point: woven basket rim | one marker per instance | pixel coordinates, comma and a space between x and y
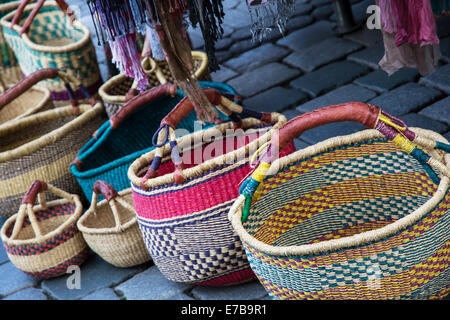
102, 91
277, 120
86, 38
46, 97
87, 112
112, 230
73, 218
362, 238
9, 5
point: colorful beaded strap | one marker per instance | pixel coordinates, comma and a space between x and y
370, 116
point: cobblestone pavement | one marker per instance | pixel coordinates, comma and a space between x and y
310, 67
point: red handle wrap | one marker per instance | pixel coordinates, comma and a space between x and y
185, 106
352, 111
27, 83
137, 102
36, 187
105, 189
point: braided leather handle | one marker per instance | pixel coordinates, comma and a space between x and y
352, 111
137, 102
36, 187
105, 189
27, 83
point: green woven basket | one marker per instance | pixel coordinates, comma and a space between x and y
51, 41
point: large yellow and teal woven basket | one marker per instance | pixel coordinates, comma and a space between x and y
52, 41
362, 216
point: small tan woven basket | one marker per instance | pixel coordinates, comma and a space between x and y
43, 240
33, 100
114, 91
110, 227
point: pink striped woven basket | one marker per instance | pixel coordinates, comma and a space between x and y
182, 204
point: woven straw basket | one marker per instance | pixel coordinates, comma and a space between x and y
182, 212
362, 216
43, 240
117, 90
33, 100
110, 227
41, 147
129, 134
46, 38
10, 72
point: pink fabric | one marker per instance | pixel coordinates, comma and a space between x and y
415, 22
387, 16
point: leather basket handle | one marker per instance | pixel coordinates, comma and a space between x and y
138, 101
105, 189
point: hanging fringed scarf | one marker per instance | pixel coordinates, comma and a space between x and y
267, 15
168, 22
154, 46
209, 15
116, 23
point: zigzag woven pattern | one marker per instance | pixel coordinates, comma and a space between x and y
340, 193
63, 267
36, 249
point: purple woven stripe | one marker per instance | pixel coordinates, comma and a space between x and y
386, 130
64, 95
29, 250
62, 268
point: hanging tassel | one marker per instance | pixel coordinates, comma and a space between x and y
127, 59
209, 15
155, 46
175, 44
267, 15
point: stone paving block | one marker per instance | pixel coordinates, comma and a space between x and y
223, 43
3, 256
319, 54
230, 4
181, 296
150, 285
197, 41
275, 99
242, 46
262, 78
421, 121
331, 130
443, 27
405, 99
223, 74
369, 57
13, 279
302, 8
323, 12
447, 136
439, 79
329, 77
241, 33
248, 291
318, 3
380, 81
236, 19
291, 113
102, 294
298, 22
445, 49
439, 111
300, 144
359, 11
27, 294
365, 36
305, 37
259, 56
343, 94
95, 274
